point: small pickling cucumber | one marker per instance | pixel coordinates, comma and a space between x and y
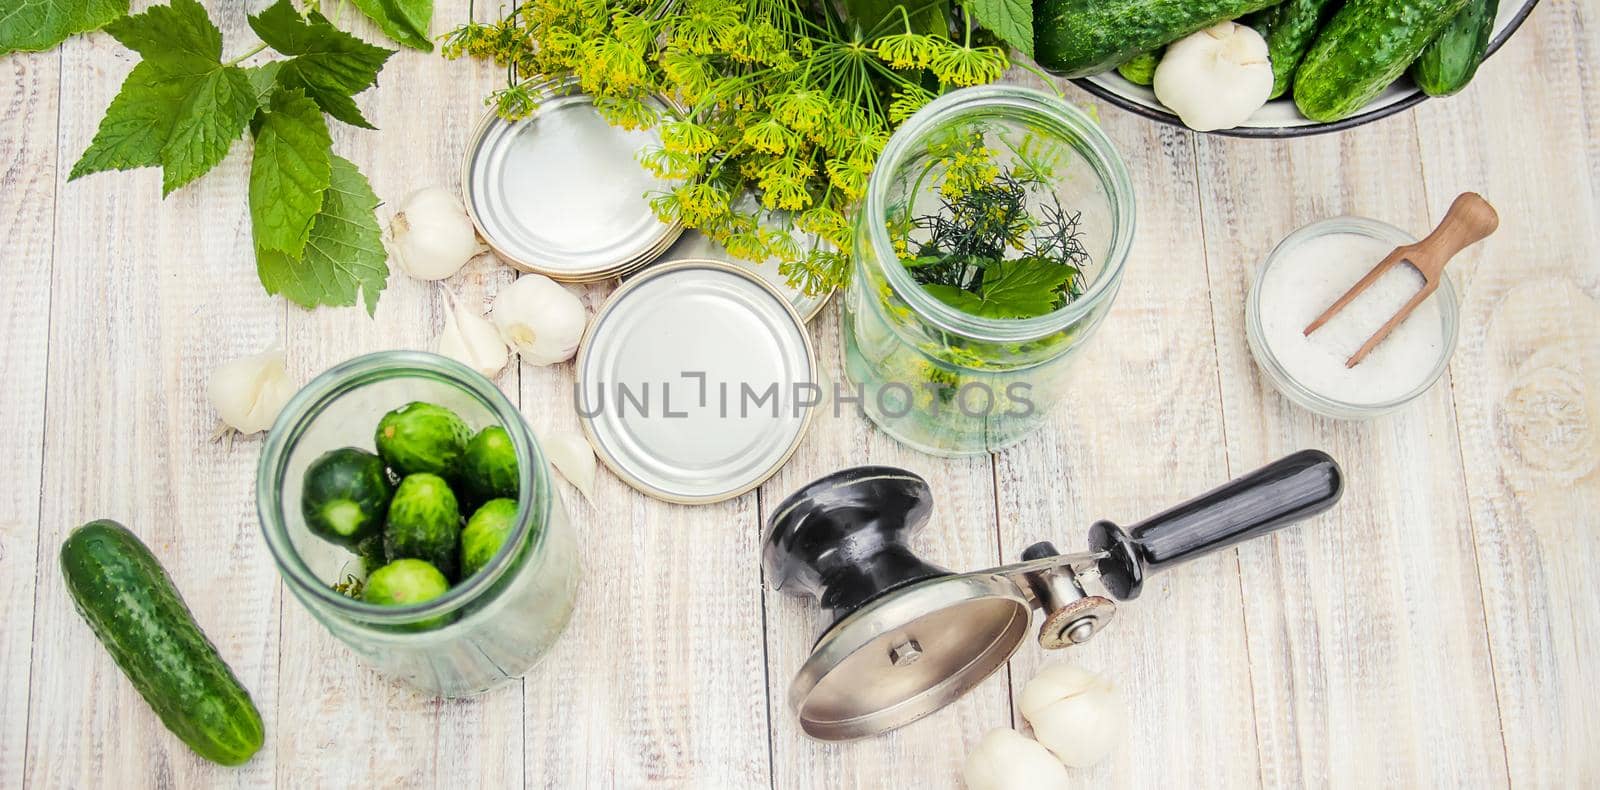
424, 523
1363, 48
407, 583
485, 533
345, 496
129, 602
489, 466
1289, 28
422, 437
370, 550
1450, 60
1142, 69
1076, 38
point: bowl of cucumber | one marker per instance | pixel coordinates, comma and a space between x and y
1335, 64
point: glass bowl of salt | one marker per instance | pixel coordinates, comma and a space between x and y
1305, 274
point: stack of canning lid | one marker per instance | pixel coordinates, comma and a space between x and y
561, 193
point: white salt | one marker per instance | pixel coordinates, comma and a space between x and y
1308, 278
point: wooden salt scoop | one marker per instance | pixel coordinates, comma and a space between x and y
1470, 219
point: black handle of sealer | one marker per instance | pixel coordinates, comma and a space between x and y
1285, 491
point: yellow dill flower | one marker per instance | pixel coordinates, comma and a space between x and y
850, 176
906, 50
801, 109
768, 136
964, 66
906, 102
687, 137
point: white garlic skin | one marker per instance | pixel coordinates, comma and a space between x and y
473, 341
539, 319
573, 459
1215, 78
249, 392
431, 235
1075, 713
1005, 759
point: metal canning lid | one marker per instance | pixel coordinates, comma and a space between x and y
693, 379
694, 244
560, 193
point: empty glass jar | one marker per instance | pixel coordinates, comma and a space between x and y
941, 379
499, 621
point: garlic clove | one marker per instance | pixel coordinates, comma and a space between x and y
539, 319
1215, 78
431, 235
472, 340
1075, 713
249, 392
573, 458
1005, 759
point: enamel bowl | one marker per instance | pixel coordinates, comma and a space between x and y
1280, 118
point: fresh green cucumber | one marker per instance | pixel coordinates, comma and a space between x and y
424, 523
1142, 69
422, 437
1366, 45
407, 583
489, 466
1289, 28
125, 596
1450, 60
345, 496
485, 533
1076, 38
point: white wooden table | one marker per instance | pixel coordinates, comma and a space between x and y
1440, 628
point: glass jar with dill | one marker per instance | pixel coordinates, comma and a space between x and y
988, 248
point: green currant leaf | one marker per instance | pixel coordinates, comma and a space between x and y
327, 63
179, 108
290, 170
263, 79
344, 257
1011, 20
37, 25
405, 21
1024, 287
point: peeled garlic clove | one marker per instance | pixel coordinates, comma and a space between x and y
1075, 713
573, 458
470, 339
1005, 759
431, 235
249, 392
540, 319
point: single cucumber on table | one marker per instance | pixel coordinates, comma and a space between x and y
1289, 28
1450, 60
1076, 38
1366, 45
424, 523
129, 602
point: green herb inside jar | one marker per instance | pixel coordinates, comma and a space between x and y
999, 245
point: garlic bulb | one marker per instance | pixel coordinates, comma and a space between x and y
1216, 78
470, 339
1005, 759
431, 235
1075, 713
249, 392
540, 319
573, 458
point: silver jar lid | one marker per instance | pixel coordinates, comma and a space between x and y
561, 192
692, 381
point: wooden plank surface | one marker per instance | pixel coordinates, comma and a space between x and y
1437, 629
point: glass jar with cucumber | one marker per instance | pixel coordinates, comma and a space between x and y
411, 510
988, 248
